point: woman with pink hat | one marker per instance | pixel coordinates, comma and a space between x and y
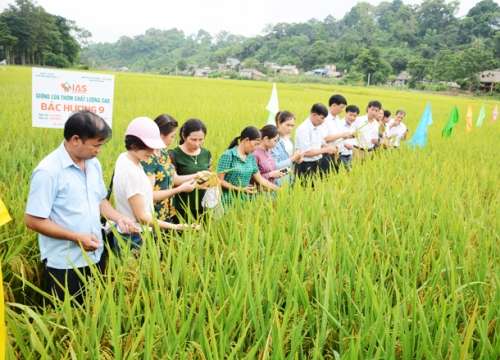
133, 190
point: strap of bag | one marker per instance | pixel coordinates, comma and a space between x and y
110, 188
108, 196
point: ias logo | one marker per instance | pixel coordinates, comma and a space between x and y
66, 86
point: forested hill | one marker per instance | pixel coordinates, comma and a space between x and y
29, 35
427, 40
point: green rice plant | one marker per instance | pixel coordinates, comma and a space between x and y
396, 259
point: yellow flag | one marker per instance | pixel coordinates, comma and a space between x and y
4, 218
2, 319
468, 120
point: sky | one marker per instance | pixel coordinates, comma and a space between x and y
108, 20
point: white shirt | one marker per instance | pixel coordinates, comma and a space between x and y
309, 137
367, 133
331, 126
288, 145
344, 127
398, 132
129, 180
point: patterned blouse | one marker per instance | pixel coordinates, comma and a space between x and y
238, 173
266, 164
163, 171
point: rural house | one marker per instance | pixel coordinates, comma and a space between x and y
232, 63
289, 70
489, 79
252, 74
402, 79
203, 72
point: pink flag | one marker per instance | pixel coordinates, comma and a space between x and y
495, 114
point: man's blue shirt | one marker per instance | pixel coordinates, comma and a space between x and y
62, 192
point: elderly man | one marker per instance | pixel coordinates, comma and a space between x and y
397, 131
67, 196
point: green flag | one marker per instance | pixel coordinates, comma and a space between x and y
481, 117
452, 120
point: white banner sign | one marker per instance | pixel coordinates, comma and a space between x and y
57, 93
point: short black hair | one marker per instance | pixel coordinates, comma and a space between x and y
352, 108
319, 109
86, 125
401, 112
374, 103
337, 99
387, 113
134, 143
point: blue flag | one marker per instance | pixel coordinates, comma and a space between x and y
420, 136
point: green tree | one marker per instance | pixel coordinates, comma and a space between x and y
482, 21
182, 64
6, 39
436, 15
420, 69
370, 62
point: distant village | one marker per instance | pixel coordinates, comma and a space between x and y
232, 64
488, 79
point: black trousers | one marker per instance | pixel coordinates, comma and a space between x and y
68, 278
307, 169
328, 162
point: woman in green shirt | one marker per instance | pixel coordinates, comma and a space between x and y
191, 158
162, 175
237, 166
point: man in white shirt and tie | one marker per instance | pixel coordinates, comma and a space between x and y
310, 140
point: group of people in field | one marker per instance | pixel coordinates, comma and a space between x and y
154, 185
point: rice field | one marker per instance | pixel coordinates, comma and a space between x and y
399, 259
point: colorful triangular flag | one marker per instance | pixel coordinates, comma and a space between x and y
420, 136
452, 121
495, 114
468, 120
273, 106
481, 117
4, 214
4, 218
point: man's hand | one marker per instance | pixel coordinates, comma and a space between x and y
329, 149
88, 242
348, 135
349, 146
127, 226
375, 141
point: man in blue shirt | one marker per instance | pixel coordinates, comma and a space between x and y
67, 196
